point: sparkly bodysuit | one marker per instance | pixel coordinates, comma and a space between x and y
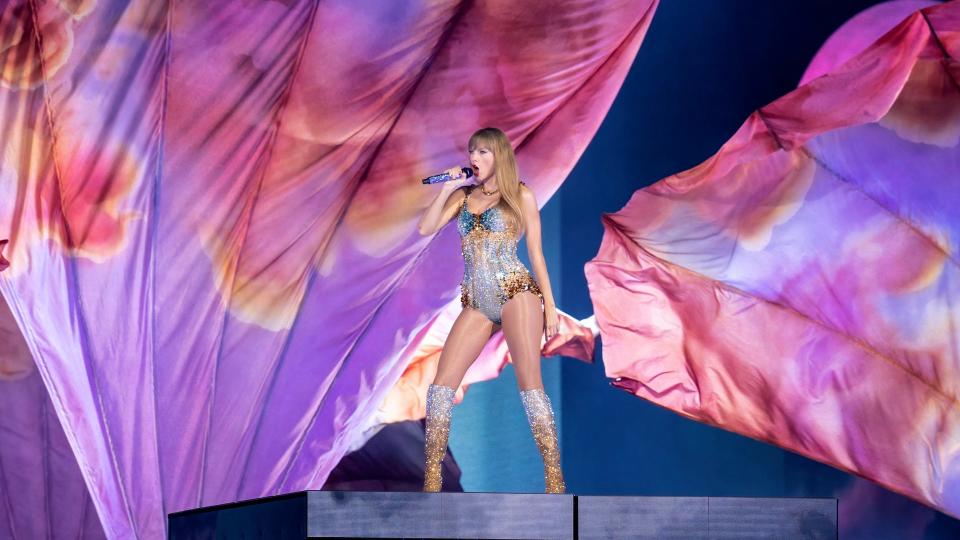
492, 272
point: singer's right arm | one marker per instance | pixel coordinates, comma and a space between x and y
443, 208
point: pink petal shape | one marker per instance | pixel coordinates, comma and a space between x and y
800, 287
859, 33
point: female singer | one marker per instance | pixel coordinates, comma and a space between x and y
497, 291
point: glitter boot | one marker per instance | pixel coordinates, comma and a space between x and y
439, 407
540, 417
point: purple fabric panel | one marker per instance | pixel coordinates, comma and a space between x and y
42, 493
211, 210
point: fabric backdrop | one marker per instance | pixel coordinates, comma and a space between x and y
211, 211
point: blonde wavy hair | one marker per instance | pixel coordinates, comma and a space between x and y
505, 169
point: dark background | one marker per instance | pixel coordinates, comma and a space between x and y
703, 68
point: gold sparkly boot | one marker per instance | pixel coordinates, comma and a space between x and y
439, 407
540, 417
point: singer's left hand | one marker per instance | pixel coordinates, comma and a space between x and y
551, 321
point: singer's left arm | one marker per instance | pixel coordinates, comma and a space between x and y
531, 215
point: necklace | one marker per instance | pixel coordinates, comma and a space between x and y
488, 193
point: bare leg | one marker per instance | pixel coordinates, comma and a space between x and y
467, 338
523, 328
468, 335
522, 318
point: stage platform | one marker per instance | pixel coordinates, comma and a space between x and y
355, 514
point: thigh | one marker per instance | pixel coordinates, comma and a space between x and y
522, 319
470, 332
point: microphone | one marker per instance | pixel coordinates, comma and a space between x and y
444, 177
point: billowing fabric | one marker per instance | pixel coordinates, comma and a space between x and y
801, 286
211, 210
859, 33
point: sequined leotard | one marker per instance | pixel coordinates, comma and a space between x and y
492, 272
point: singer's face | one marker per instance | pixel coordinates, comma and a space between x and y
481, 159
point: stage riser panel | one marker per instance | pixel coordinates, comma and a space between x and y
325, 514
276, 518
443, 515
706, 518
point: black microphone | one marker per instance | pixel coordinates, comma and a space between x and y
444, 177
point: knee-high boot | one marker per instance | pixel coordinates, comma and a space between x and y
540, 416
439, 409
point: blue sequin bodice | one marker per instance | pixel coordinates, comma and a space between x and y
492, 272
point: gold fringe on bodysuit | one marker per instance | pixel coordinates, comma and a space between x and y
492, 274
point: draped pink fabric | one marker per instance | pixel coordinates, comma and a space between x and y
800, 287
859, 33
211, 212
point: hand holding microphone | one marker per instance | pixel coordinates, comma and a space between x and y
453, 177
